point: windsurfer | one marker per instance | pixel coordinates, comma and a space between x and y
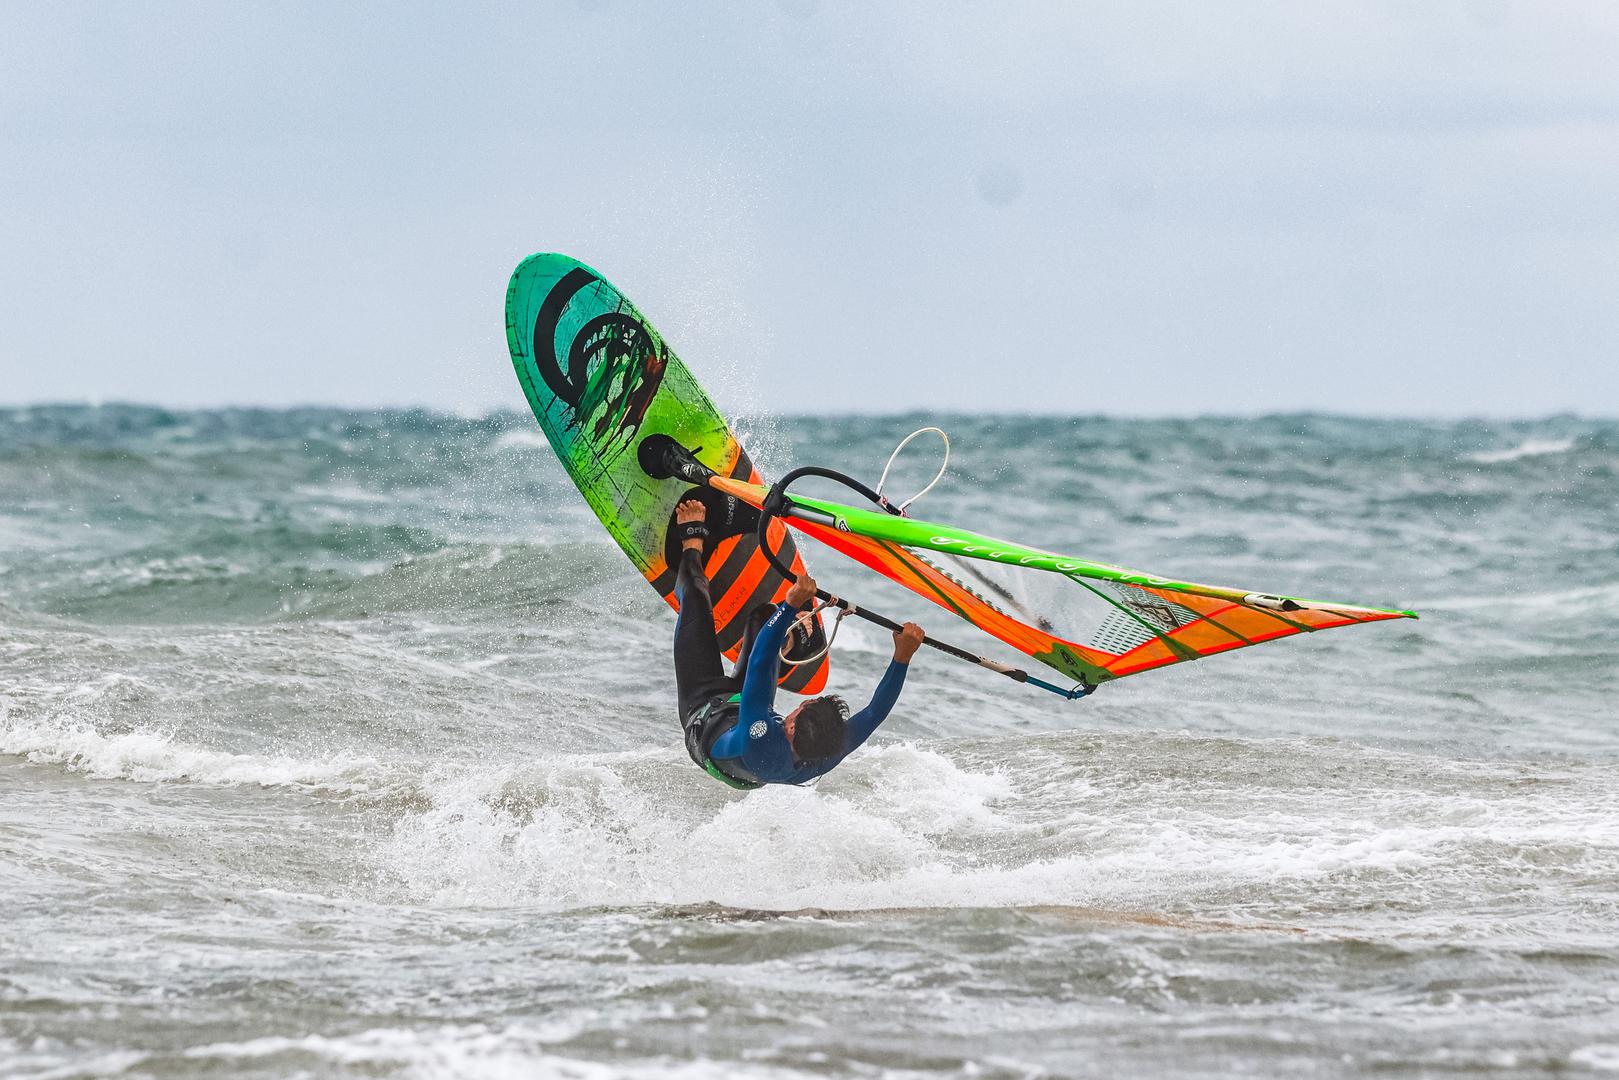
731, 729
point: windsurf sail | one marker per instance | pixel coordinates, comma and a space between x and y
1090, 621
1102, 622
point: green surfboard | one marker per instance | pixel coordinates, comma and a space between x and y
600, 379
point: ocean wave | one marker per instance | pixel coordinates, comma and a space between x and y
1528, 448
1581, 601
526, 1049
471, 577
586, 832
1601, 1057
912, 827
359, 574
522, 438
145, 756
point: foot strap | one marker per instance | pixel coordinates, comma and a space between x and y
691, 530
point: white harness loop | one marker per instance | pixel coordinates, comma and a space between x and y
943, 465
805, 620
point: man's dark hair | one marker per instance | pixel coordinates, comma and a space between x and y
818, 733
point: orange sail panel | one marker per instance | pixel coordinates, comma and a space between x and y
1091, 621
1138, 629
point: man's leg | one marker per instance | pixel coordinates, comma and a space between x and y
699, 666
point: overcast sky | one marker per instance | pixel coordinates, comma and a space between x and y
1130, 208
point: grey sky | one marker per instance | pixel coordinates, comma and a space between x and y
1130, 208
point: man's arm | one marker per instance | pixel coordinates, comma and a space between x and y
906, 641
759, 682
759, 679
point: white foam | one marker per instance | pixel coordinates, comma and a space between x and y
44, 1064
522, 438
576, 832
1574, 601
149, 756
348, 493
522, 1051
1527, 449
178, 570
1603, 1057
903, 826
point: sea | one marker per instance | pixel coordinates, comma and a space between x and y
342, 744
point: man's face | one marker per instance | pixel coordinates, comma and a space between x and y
789, 722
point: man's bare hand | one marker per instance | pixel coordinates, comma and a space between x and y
907, 639
802, 592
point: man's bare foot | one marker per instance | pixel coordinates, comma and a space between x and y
687, 512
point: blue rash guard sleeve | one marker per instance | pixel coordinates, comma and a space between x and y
758, 740
758, 683
864, 722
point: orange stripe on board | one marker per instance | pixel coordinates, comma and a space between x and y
733, 604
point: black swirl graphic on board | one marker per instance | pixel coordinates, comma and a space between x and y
614, 364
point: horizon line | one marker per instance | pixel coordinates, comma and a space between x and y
493, 411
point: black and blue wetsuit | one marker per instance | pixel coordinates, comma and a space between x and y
730, 727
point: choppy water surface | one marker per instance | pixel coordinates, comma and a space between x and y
341, 744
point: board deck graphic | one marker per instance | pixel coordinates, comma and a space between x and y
600, 379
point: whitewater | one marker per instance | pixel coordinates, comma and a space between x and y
342, 744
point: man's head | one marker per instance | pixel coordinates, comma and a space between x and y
816, 728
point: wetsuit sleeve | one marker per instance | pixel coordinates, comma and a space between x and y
732, 743
864, 722
758, 684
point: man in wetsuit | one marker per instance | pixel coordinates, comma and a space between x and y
731, 730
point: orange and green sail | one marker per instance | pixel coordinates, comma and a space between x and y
1090, 621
